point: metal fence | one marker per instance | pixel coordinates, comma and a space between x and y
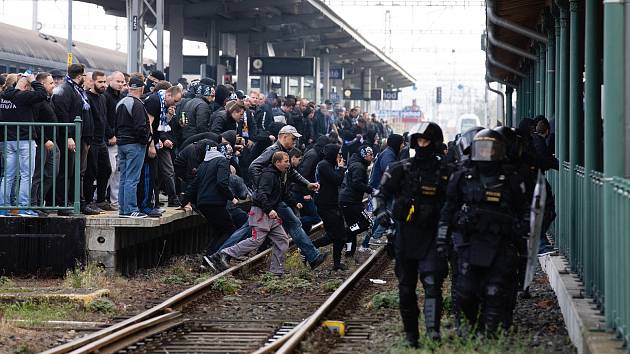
593, 275
39, 155
617, 260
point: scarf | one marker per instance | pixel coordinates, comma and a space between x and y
80, 91
164, 127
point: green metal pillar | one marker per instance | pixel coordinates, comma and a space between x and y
542, 77
557, 90
613, 144
508, 106
550, 80
537, 92
592, 132
575, 131
563, 130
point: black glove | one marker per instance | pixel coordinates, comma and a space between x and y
384, 219
389, 247
441, 241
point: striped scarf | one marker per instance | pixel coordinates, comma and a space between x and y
80, 91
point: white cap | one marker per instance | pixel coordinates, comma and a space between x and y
289, 129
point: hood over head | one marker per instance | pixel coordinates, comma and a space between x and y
330, 153
230, 136
394, 141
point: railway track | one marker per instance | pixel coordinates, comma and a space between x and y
194, 321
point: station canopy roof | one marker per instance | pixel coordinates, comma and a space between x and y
524, 13
287, 24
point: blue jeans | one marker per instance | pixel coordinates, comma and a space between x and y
308, 213
20, 156
130, 160
237, 236
293, 226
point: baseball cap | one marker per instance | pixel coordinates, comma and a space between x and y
240, 94
55, 73
289, 129
135, 82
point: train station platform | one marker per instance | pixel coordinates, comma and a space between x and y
51, 245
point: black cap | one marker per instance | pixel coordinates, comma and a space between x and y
135, 82
56, 73
240, 94
158, 75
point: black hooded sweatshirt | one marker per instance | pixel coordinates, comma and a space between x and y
329, 177
355, 183
271, 190
17, 106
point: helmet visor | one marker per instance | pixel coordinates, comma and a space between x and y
487, 150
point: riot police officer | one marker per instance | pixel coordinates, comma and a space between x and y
485, 207
417, 186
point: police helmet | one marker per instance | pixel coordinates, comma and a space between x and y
426, 130
514, 145
465, 140
487, 145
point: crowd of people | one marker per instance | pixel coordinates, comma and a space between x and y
207, 147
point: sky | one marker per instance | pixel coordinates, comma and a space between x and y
439, 46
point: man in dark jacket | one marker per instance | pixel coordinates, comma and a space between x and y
99, 168
197, 112
132, 134
355, 185
395, 142
329, 174
286, 140
188, 160
263, 219
229, 118
16, 105
263, 117
210, 191
70, 101
113, 94
308, 214
43, 112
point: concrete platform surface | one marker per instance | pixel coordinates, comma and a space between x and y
585, 323
111, 218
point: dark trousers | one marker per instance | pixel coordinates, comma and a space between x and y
335, 234
487, 290
356, 223
166, 174
99, 170
219, 224
42, 184
64, 194
431, 270
146, 185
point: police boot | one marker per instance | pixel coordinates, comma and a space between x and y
432, 316
411, 339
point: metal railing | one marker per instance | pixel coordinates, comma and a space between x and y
617, 261
579, 235
593, 275
36, 132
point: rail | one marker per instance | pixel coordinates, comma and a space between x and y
315, 319
24, 149
143, 321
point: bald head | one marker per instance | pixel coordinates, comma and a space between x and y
117, 80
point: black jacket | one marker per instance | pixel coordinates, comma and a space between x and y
263, 119
189, 158
311, 158
17, 106
111, 100
329, 177
222, 122
355, 183
271, 190
68, 105
43, 112
132, 122
98, 108
211, 184
264, 160
198, 114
